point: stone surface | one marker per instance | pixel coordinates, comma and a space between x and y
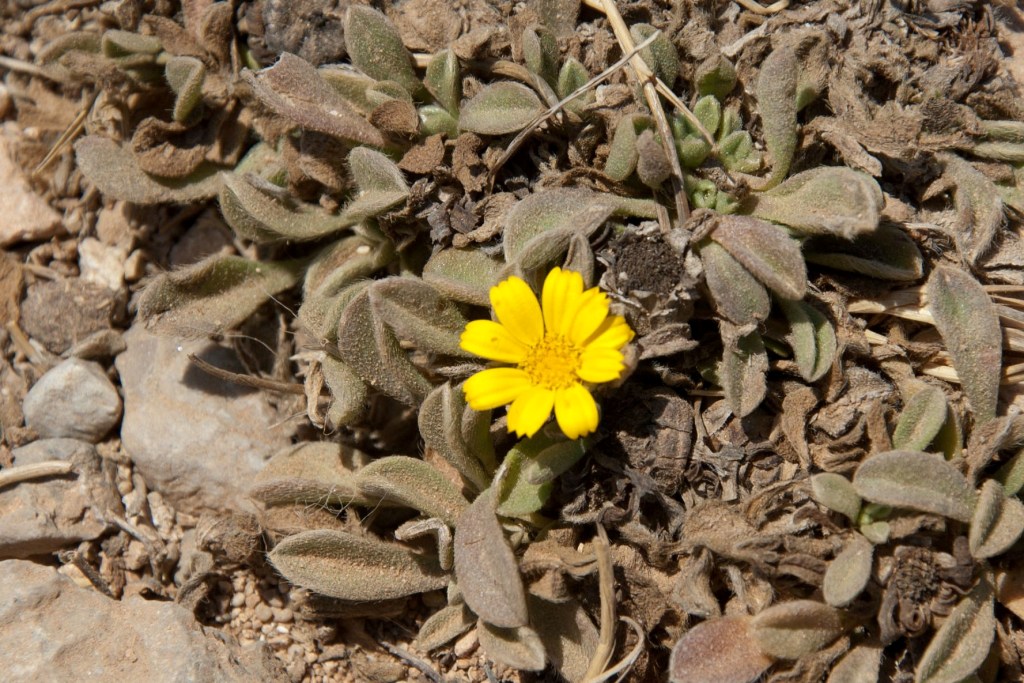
73, 400
53, 630
26, 216
197, 440
42, 516
61, 313
102, 264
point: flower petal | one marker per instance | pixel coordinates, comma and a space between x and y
530, 411
600, 365
613, 333
495, 387
518, 310
559, 298
492, 341
593, 309
575, 411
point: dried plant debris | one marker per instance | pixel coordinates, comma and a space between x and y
768, 424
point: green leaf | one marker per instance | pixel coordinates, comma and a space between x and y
967, 320
540, 53
465, 275
571, 78
125, 44
716, 76
962, 643
916, 481
444, 81
622, 154
256, 215
708, 111
776, 102
518, 648
534, 219
826, 200
661, 55
887, 254
793, 629
735, 293
921, 420
766, 251
435, 119
848, 574
835, 492
500, 108
185, 76
375, 48
348, 393
531, 466
343, 565
737, 152
311, 473
1011, 474
417, 313
351, 86
413, 483
459, 433
214, 295
486, 568
811, 337
742, 371
997, 523
444, 626
380, 182
860, 665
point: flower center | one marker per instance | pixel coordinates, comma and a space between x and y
552, 363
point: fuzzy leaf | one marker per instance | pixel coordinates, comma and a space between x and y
293, 89
380, 182
540, 53
465, 275
888, 254
652, 165
459, 433
916, 481
413, 483
997, 523
848, 574
486, 568
721, 650
500, 108
214, 295
571, 78
716, 76
316, 472
417, 313
531, 466
518, 648
735, 293
967, 320
1011, 474
444, 626
708, 111
375, 47
185, 76
444, 81
737, 152
569, 636
790, 630
622, 154
835, 492
811, 337
978, 204
370, 348
776, 102
125, 44
921, 420
255, 215
742, 372
827, 200
962, 642
353, 87
860, 665
534, 219
350, 567
115, 172
661, 55
348, 393
766, 251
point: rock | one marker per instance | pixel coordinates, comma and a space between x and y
27, 217
53, 630
74, 400
102, 264
197, 440
42, 516
59, 314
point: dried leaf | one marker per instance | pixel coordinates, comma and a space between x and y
256, 215
811, 337
721, 650
916, 481
486, 568
465, 275
921, 420
568, 635
375, 48
827, 200
214, 295
742, 371
962, 642
350, 567
887, 254
735, 293
417, 313
848, 574
115, 172
859, 665
997, 523
519, 648
413, 483
444, 626
766, 251
459, 433
836, 492
793, 629
311, 473
444, 81
500, 108
652, 166
967, 320
776, 102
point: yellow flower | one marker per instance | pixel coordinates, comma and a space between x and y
557, 351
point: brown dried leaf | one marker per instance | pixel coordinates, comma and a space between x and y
743, 370
979, 206
720, 650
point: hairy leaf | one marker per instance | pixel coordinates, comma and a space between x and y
978, 204
465, 275
380, 182
185, 76
721, 650
661, 55
444, 81
1011, 474
742, 371
962, 642
827, 200
860, 665
776, 102
736, 293
414, 483
887, 254
921, 420
350, 85
622, 154
256, 215
532, 464
486, 568
500, 108
836, 492
848, 574
997, 523
790, 630
375, 47
417, 313
519, 648
811, 337
444, 626
569, 636
458, 433
540, 53
571, 78
967, 320
343, 565
766, 251
316, 472
348, 393
715, 76
916, 481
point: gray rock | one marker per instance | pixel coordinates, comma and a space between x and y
53, 630
42, 516
60, 313
27, 216
197, 440
74, 400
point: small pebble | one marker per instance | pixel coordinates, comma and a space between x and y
465, 644
251, 600
264, 613
283, 615
238, 599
